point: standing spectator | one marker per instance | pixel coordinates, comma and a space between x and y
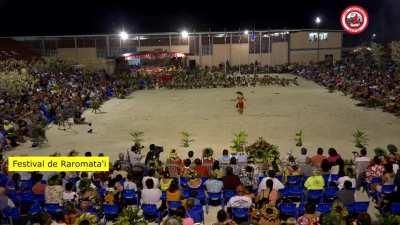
54, 191
134, 156
230, 180
307, 168
216, 170
309, 217
235, 167
225, 158
277, 184
301, 159
316, 160
361, 162
349, 176
346, 195
201, 170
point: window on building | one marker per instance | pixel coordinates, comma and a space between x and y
313, 36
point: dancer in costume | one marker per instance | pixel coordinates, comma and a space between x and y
240, 102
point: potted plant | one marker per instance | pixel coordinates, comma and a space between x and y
186, 139
299, 138
95, 105
130, 216
239, 142
360, 139
89, 218
137, 137
264, 154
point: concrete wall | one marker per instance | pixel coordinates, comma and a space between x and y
307, 56
86, 57
300, 40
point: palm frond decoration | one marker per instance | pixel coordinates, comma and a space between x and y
299, 138
130, 216
239, 141
137, 137
360, 138
91, 219
186, 139
95, 106
264, 152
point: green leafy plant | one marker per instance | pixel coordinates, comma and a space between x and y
208, 153
239, 141
299, 138
186, 139
137, 137
263, 152
380, 152
91, 219
130, 216
95, 106
389, 219
360, 139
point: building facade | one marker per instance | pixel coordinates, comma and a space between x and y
267, 47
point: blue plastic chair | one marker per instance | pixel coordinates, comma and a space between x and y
186, 192
388, 189
35, 209
183, 181
228, 194
196, 213
395, 208
350, 208
11, 214
110, 211
39, 198
26, 185
330, 193
130, 197
360, 207
215, 197
240, 213
324, 208
376, 180
52, 208
293, 180
150, 210
3, 179
173, 205
314, 195
301, 209
27, 198
201, 195
295, 192
288, 209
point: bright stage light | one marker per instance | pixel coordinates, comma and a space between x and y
184, 34
123, 35
318, 20
246, 32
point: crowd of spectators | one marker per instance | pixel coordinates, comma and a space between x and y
307, 189
374, 84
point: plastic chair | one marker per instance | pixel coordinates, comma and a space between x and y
183, 181
164, 196
388, 189
295, 192
186, 192
39, 198
215, 197
197, 214
395, 208
240, 213
360, 207
293, 180
52, 208
35, 209
130, 197
26, 185
12, 214
350, 208
314, 195
150, 211
301, 209
330, 193
324, 208
173, 205
27, 198
228, 194
288, 209
110, 211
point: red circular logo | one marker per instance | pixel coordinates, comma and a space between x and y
354, 19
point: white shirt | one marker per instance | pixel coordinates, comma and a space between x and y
239, 202
151, 196
129, 185
341, 181
155, 180
69, 196
277, 184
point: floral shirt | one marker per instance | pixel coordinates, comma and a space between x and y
308, 219
374, 171
53, 194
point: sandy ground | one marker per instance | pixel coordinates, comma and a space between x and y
274, 112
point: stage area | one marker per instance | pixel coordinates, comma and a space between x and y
274, 112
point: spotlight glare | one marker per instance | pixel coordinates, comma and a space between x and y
123, 35
184, 34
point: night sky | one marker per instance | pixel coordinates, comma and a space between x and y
60, 17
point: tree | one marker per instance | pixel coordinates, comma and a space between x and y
378, 52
